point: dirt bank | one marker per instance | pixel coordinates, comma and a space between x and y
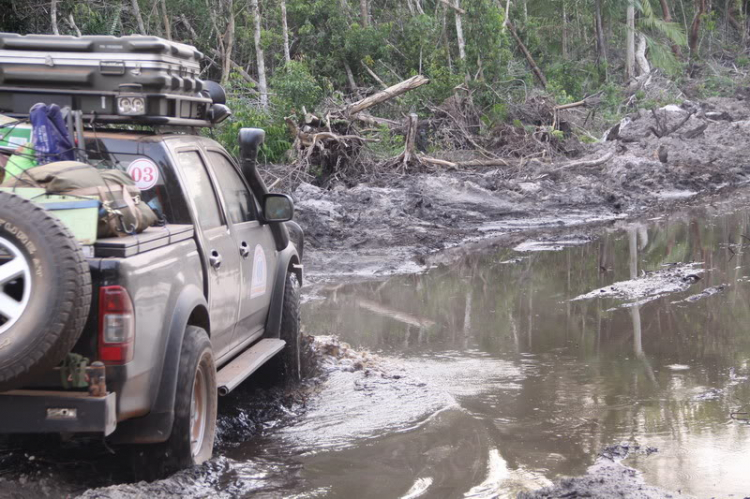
662, 158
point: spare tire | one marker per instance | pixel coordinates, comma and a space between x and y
45, 291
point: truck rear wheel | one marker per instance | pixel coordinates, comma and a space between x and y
194, 429
45, 291
290, 330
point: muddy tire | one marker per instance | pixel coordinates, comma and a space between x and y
194, 429
289, 358
45, 291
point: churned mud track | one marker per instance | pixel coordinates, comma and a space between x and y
651, 162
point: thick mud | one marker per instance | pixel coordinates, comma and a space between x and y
607, 477
394, 224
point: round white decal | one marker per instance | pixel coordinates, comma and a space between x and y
144, 173
260, 273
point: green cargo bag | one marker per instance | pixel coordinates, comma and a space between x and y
123, 211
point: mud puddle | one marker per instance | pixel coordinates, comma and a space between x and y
554, 351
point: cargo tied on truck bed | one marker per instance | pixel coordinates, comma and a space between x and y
142, 273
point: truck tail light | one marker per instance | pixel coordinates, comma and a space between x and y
116, 325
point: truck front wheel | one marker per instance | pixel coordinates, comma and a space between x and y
290, 330
194, 430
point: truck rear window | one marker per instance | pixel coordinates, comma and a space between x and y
149, 165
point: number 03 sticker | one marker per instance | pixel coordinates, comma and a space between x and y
144, 173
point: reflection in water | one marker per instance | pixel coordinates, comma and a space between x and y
559, 380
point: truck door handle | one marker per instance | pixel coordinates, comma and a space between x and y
215, 259
244, 249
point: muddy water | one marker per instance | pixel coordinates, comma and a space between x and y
491, 376
541, 375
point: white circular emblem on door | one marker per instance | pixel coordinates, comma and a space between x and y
260, 273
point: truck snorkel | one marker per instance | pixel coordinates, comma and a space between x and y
250, 140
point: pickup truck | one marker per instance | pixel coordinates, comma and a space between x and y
177, 315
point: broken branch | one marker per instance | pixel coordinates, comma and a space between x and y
457, 9
587, 163
387, 94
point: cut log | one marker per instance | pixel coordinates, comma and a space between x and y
387, 94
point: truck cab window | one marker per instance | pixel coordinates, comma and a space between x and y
200, 190
238, 200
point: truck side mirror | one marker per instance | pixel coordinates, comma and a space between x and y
277, 208
218, 113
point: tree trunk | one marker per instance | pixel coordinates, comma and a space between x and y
667, 15
640, 56
228, 41
630, 42
411, 139
534, 67
262, 85
73, 25
460, 32
53, 17
564, 31
695, 27
600, 41
167, 23
350, 77
138, 16
364, 12
285, 32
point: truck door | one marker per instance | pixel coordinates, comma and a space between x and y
222, 262
254, 244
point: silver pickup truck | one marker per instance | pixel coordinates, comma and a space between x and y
161, 323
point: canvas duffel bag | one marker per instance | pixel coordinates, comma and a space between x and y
124, 213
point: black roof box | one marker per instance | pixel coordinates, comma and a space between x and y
93, 74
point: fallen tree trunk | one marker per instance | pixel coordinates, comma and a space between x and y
587, 163
464, 164
385, 95
538, 72
240, 70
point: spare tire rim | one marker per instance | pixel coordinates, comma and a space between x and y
15, 284
198, 411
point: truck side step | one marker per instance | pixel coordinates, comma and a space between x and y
237, 371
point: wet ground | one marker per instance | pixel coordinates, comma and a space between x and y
491, 376
640, 336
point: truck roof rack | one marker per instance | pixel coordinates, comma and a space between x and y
134, 79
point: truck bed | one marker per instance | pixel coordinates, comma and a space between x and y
151, 238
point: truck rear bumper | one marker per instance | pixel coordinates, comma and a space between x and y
32, 411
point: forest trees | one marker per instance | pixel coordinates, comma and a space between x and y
491, 50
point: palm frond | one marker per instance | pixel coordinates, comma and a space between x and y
661, 56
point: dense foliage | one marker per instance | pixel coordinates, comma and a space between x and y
341, 50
